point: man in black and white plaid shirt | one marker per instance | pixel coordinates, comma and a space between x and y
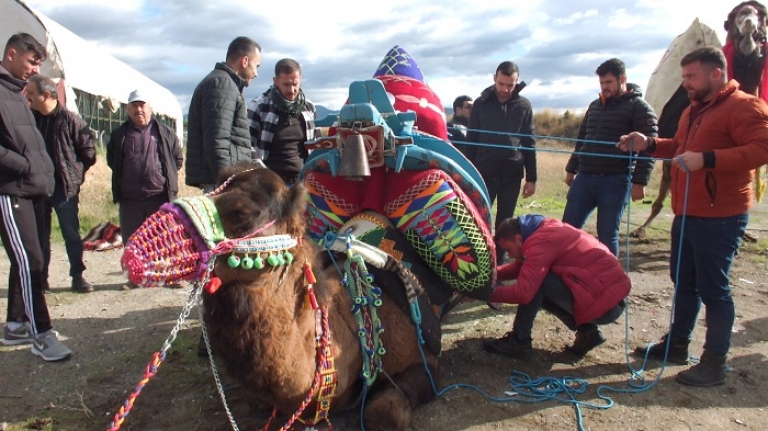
281, 120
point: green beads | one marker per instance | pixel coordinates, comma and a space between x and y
247, 263
233, 261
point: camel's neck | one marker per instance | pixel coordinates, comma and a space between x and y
747, 45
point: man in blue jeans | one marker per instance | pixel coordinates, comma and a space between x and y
724, 138
599, 175
70, 145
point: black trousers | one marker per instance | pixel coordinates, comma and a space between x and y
133, 213
22, 220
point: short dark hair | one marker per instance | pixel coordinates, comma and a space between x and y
241, 47
459, 102
708, 56
44, 84
287, 66
507, 229
508, 68
613, 66
25, 42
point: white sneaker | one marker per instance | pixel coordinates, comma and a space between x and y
48, 347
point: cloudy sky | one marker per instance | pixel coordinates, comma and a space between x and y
458, 44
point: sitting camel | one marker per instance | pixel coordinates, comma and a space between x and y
277, 312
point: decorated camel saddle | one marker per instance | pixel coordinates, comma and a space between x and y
385, 161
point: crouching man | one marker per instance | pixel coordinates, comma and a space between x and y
563, 270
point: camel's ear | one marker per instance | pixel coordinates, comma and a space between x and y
295, 206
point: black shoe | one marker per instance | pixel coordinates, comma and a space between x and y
509, 345
678, 350
587, 339
47, 287
79, 285
710, 371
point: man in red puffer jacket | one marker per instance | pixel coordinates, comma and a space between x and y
563, 270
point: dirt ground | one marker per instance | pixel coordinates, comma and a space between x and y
113, 334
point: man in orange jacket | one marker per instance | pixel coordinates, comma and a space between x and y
722, 137
563, 270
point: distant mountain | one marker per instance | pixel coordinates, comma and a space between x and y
323, 112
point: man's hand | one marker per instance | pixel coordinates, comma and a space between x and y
569, 178
635, 141
638, 192
529, 189
692, 161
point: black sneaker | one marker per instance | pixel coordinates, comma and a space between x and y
586, 340
509, 345
79, 284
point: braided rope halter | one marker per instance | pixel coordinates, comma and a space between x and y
181, 242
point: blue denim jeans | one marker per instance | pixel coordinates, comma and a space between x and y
67, 212
609, 194
705, 258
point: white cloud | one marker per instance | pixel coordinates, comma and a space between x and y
458, 45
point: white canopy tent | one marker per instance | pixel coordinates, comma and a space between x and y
97, 84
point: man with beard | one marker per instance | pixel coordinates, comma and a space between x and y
502, 122
218, 124
281, 121
597, 176
722, 138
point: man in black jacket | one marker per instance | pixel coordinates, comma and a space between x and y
145, 157
26, 179
69, 143
598, 173
218, 134
457, 127
502, 123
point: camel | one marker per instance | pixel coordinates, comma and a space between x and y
669, 99
272, 290
746, 52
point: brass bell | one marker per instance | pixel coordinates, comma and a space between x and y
354, 159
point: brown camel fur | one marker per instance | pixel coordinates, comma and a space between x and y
260, 328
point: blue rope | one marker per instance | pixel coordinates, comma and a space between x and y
565, 389
528, 390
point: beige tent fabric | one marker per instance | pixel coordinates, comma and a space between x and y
665, 79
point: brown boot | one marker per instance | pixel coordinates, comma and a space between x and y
710, 371
678, 350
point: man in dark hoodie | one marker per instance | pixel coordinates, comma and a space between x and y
501, 123
599, 174
26, 180
218, 123
563, 270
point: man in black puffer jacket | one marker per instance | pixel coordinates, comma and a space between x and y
218, 134
26, 180
70, 145
502, 118
599, 174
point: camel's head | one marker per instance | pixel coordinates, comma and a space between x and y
746, 25
252, 220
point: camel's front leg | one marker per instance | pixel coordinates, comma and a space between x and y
390, 408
